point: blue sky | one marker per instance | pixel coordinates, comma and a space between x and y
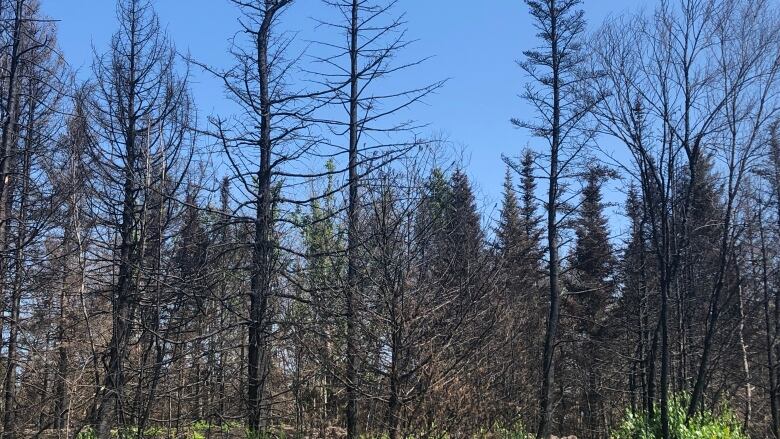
473, 43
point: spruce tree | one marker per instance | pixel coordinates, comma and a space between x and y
532, 223
464, 233
520, 295
431, 225
510, 236
593, 254
531, 219
590, 293
634, 304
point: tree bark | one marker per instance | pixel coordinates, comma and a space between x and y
352, 231
548, 356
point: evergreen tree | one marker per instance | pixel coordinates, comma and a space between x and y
531, 219
520, 296
510, 236
323, 271
509, 223
590, 292
593, 257
464, 234
518, 233
431, 227
532, 222
633, 305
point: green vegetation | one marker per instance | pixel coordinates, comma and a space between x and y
87, 433
705, 425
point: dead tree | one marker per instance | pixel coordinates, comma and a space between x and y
748, 65
375, 35
29, 200
139, 103
672, 91
555, 93
275, 132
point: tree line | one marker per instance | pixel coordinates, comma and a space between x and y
316, 263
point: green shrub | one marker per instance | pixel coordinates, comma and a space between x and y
87, 433
704, 425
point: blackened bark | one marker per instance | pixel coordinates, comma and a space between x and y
352, 232
548, 356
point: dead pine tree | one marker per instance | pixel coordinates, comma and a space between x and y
13, 37
255, 69
73, 178
137, 93
28, 197
262, 144
357, 67
555, 92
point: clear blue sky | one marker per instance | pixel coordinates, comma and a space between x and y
474, 43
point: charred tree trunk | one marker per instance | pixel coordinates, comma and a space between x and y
352, 232
548, 355
9, 383
259, 350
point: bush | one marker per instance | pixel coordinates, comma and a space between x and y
704, 425
87, 433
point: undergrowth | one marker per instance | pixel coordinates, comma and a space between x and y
706, 424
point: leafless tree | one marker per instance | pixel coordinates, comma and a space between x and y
140, 112
556, 93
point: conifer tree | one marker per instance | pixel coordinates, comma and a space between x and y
432, 221
531, 219
555, 69
593, 257
591, 286
464, 233
141, 111
635, 305
510, 235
